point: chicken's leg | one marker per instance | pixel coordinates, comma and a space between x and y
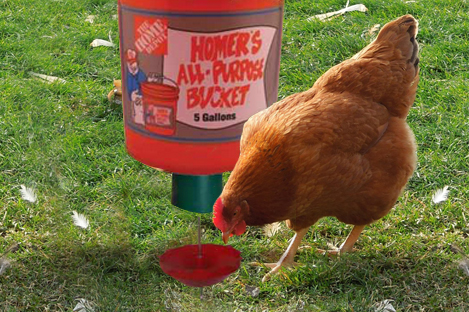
287, 258
347, 246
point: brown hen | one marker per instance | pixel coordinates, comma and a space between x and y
341, 149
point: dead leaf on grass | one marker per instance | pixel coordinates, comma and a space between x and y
464, 265
84, 305
90, 19
4, 265
46, 78
252, 291
327, 16
101, 42
464, 262
384, 306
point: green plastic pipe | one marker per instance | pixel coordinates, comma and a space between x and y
196, 193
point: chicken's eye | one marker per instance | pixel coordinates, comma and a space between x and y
234, 213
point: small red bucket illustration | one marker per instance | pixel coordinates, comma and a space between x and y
160, 105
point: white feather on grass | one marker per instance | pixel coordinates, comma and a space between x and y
28, 194
440, 195
4, 265
271, 229
80, 220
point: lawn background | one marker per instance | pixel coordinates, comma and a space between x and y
67, 142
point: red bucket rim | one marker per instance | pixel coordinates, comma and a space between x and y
160, 91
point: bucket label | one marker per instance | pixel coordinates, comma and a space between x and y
198, 82
220, 76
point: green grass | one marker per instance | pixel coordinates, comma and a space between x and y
67, 142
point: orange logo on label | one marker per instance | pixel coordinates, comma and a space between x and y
151, 35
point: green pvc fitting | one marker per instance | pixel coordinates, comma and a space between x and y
196, 193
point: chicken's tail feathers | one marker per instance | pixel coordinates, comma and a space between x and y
395, 41
405, 23
406, 28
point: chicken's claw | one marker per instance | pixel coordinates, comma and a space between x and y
275, 268
332, 252
274, 265
347, 246
268, 275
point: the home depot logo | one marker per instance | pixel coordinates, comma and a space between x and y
151, 35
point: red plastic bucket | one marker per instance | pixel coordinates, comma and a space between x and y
223, 57
160, 107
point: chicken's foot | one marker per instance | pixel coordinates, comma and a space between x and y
287, 258
347, 246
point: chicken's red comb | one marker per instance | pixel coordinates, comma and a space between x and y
217, 215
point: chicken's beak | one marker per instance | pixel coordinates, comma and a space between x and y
226, 236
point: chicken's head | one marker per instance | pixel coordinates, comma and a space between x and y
230, 219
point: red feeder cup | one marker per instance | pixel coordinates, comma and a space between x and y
211, 265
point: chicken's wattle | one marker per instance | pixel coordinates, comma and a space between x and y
240, 228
